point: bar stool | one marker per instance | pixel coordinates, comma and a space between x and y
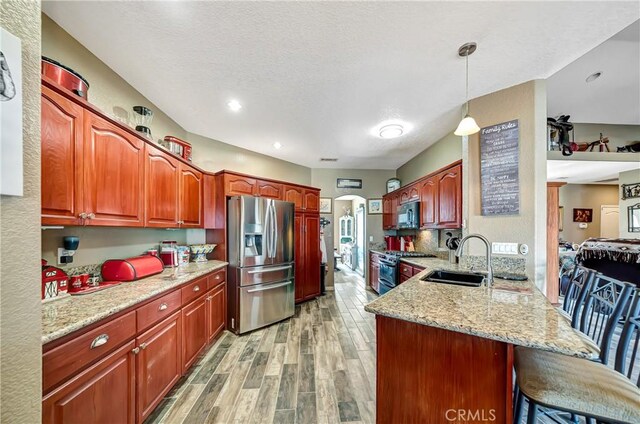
605, 302
581, 280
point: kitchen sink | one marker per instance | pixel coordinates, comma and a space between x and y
467, 279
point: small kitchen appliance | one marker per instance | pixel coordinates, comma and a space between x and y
409, 215
55, 282
169, 253
131, 269
64, 76
143, 117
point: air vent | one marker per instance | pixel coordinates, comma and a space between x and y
328, 159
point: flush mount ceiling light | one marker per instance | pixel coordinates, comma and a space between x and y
391, 131
234, 105
593, 77
277, 145
468, 125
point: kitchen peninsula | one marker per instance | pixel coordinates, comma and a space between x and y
428, 333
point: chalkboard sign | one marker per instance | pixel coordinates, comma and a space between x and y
499, 162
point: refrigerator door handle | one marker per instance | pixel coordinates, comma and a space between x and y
273, 286
267, 231
278, 268
275, 230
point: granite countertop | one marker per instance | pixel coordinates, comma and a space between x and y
64, 316
511, 312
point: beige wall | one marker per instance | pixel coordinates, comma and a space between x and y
527, 103
440, 154
629, 177
619, 135
20, 307
589, 196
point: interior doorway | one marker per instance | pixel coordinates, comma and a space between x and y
609, 221
350, 233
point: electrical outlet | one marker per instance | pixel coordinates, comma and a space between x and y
371, 239
504, 248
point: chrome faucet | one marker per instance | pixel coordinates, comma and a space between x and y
488, 246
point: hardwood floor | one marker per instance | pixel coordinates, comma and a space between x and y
316, 367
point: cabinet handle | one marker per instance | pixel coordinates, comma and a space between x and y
196, 289
135, 350
99, 341
83, 215
143, 346
91, 215
218, 277
162, 307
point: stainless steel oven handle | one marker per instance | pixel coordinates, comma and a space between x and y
387, 263
279, 268
275, 286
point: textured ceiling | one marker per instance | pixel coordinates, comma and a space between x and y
319, 76
614, 98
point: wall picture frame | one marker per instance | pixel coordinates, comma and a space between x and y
326, 205
582, 215
561, 218
349, 183
374, 206
630, 191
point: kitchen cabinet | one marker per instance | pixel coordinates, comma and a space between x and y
409, 194
374, 271
239, 185
450, 198
61, 165
216, 311
403, 278
162, 188
270, 190
295, 195
429, 203
158, 364
113, 168
395, 202
386, 212
103, 393
190, 205
311, 200
405, 270
307, 256
194, 331
417, 270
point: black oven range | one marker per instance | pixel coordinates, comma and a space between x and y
389, 276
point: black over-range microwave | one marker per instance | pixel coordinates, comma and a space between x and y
409, 216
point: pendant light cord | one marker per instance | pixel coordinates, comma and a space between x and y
467, 82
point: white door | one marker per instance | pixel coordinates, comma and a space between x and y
609, 221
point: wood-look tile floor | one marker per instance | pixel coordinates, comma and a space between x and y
316, 367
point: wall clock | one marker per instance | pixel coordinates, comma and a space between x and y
392, 184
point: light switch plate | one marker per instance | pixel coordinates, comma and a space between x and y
504, 248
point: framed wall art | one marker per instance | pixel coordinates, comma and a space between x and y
582, 215
374, 206
630, 191
326, 205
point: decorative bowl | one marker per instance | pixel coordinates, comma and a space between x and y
199, 252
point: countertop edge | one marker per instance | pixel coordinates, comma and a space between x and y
71, 328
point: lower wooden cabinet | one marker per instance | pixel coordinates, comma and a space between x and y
194, 325
307, 256
216, 310
158, 363
103, 393
374, 272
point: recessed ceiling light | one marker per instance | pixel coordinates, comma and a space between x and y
391, 131
277, 145
593, 77
234, 105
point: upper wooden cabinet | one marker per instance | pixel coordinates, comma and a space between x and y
61, 165
450, 198
295, 195
270, 190
386, 212
190, 209
312, 200
162, 189
410, 194
239, 185
429, 203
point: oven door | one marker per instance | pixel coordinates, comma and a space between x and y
388, 275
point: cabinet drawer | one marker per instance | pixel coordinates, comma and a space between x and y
216, 278
417, 270
406, 270
65, 360
158, 309
194, 290
375, 258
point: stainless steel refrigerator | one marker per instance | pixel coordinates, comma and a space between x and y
260, 237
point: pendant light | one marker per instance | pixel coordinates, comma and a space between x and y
468, 125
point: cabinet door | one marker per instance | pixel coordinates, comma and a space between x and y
409, 194
237, 185
113, 174
417, 270
375, 277
161, 177
190, 210
312, 256
386, 212
394, 210
194, 331
403, 278
294, 195
216, 310
270, 190
103, 393
311, 201
429, 203
61, 165
450, 198
158, 364
299, 240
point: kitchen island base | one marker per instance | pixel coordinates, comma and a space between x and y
430, 375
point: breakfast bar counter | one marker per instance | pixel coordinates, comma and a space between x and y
456, 346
